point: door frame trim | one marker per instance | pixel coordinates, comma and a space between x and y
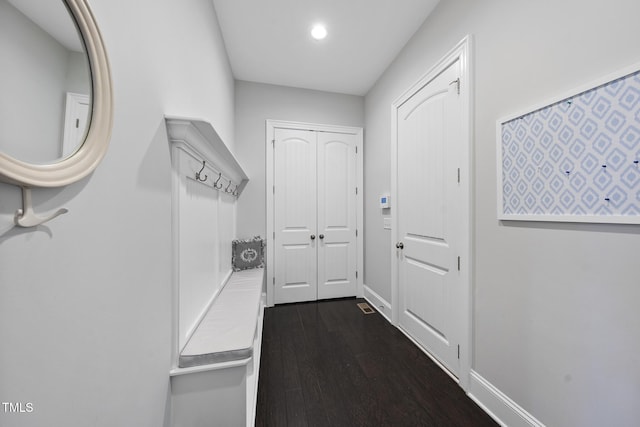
270, 127
461, 52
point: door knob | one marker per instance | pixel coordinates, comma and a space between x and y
400, 245
321, 236
313, 237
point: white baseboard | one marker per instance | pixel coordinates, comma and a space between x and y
380, 304
498, 405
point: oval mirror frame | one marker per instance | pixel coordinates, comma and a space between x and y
87, 157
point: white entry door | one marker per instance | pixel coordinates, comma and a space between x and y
429, 200
314, 215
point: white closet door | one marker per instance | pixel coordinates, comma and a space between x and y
427, 204
315, 216
337, 247
295, 218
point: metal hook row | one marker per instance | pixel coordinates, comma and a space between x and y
217, 185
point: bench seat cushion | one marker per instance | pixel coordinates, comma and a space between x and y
228, 329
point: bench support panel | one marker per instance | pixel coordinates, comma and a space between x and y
210, 398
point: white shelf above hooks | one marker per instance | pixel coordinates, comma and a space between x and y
200, 136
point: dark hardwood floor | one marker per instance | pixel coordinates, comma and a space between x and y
327, 364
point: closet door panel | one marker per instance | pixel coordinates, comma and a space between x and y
337, 250
295, 215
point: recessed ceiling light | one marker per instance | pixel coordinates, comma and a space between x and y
318, 32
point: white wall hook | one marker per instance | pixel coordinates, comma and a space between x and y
26, 217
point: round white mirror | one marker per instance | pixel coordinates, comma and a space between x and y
56, 108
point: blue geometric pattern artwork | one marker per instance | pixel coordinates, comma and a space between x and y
576, 157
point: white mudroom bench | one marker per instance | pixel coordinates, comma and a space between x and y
216, 380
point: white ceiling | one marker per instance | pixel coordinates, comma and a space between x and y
52, 17
269, 41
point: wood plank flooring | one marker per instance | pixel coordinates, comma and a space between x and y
326, 363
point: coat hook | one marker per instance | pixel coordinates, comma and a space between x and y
25, 217
215, 184
226, 190
198, 174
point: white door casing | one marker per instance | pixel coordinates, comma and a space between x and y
431, 167
331, 199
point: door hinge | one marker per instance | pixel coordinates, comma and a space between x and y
274, 280
458, 351
274, 235
77, 123
458, 175
356, 190
274, 189
458, 263
273, 141
356, 232
356, 274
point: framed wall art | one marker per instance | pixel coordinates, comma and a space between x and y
576, 158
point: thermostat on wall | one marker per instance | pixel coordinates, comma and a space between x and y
384, 201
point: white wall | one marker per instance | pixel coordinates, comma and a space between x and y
85, 300
255, 103
556, 318
78, 80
